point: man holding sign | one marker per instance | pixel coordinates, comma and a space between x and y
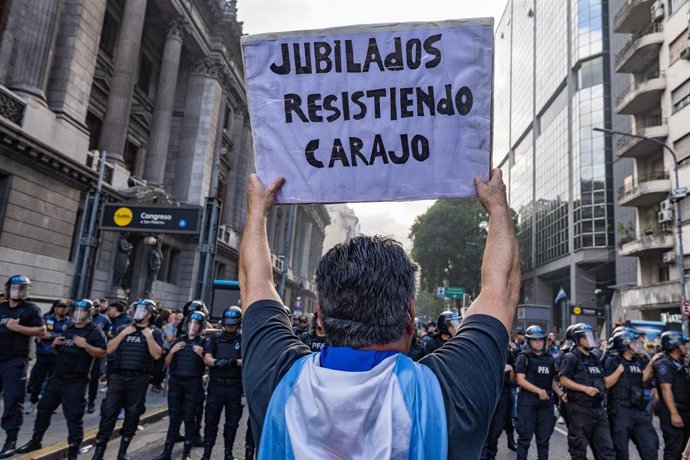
361, 397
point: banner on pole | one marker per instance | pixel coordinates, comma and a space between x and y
372, 113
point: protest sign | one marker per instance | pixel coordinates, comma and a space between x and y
372, 113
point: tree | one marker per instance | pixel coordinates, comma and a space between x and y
448, 243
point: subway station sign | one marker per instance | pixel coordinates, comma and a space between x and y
150, 219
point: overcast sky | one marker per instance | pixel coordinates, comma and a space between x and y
279, 15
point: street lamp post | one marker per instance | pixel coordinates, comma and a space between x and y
677, 195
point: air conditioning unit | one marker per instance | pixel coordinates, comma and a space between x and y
668, 257
665, 216
666, 205
685, 54
658, 11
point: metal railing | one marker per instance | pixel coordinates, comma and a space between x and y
648, 236
637, 83
625, 10
650, 122
629, 47
631, 187
11, 107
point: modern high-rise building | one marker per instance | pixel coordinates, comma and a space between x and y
655, 62
553, 85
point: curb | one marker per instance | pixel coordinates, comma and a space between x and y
58, 450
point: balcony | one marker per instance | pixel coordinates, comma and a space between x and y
632, 147
642, 95
642, 51
650, 242
632, 16
645, 190
651, 296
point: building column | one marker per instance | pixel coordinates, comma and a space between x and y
38, 33
199, 131
154, 171
114, 133
306, 249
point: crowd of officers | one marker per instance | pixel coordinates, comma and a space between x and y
74, 338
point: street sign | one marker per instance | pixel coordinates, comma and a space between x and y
577, 310
685, 308
150, 219
454, 292
440, 292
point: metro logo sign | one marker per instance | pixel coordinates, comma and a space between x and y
151, 219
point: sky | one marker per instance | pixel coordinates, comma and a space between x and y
259, 16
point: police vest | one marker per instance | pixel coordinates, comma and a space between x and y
224, 347
539, 371
186, 363
314, 342
434, 343
629, 390
133, 353
680, 386
55, 327
13, 344
588, 372
71, 360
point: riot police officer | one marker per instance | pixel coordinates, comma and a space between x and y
185, 387
673, 386
136, 347
502, 411
316, 337
56, 321
448, 324
19, 321
583, 377
535, 372
118, 319
75, 350
100, 319
222, 354
626, 402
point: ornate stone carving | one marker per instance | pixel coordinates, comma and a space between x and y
178, 28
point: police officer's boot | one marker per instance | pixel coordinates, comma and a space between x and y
124, 444
72, 451
207, 451
228, 454
33, 444
249, 452
10, 447
167, 450
187, 451
99, 451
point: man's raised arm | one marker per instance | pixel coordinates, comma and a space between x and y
256, 270
501, 263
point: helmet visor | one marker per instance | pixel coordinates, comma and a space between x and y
80, 314
19, 291
454, 323
586, 339
193, 327
636, 346
140, 312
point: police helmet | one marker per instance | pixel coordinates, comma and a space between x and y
447, 318
81, 310
142, 306
569, 332
623, 328
535, 332
519, 330
17, 287
584, 330
626, 340
232, 316
670, 340
194, 305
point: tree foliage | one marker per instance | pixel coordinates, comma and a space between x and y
448, 244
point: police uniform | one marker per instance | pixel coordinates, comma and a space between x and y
675, 373
587, 420
116, 325
314, 341
534, 416
68, 384
501, 414
224, 390
103, 322
432, 342
14, 355
129, 380
626, 406
185, 389
45, 359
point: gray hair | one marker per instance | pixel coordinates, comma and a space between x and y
365, 287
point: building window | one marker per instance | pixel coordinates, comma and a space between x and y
93, 124
145, 74
109, 35
5, 180
130, 156
76, 230
680, 97
677, 46
674, 5
664, 273
168, 272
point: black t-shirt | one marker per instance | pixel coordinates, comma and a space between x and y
469, 368
13, 344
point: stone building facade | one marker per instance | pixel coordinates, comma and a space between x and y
159, 86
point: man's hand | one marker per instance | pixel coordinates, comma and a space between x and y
591, 391
13, 324
128, 330
80, 341
58, 341
543, 395
492, 194
198, 350
261, 199
177, 347
677, 420
146, 332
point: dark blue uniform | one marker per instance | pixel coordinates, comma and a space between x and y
185, 388
588, 422
103, 322
316, 343
116, 325
675, 373
627, 409
45, 359
224, 390
501, 414
534, 416
14, 354
68, 384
